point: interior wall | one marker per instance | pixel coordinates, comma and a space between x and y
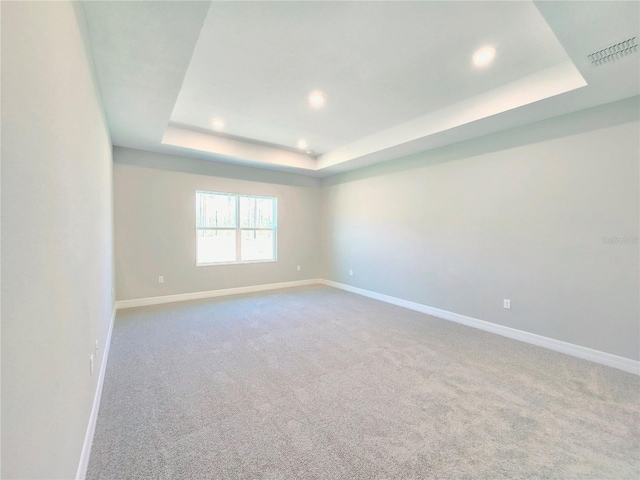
155, 231
57, 241
545, 215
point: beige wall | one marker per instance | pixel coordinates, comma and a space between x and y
155, 225
57, 261
519, 215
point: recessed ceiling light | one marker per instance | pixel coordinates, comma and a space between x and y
303, 144
484, 56
317, 98
218, 124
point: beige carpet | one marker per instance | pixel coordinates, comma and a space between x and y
318, 383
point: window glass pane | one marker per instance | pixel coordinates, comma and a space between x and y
257, 245
215, 210
257, 212
216, 246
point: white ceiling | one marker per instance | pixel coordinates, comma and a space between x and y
141, 51
379, 63
398, 75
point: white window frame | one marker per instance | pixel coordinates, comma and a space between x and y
238, 229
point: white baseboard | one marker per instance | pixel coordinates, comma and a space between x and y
93, 418
91, 428
621, 363
140, 302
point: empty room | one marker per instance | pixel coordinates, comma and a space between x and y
320, 240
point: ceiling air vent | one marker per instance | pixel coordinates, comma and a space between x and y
614, 52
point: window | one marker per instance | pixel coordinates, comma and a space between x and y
235, 228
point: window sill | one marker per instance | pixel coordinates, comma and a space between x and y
234, 263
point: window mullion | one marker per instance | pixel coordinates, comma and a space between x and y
215, 228
238, 231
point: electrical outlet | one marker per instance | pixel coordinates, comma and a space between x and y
91, 365
298, 267
161, 279
507, 304
351, 273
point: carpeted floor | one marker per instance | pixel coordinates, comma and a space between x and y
319, 383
